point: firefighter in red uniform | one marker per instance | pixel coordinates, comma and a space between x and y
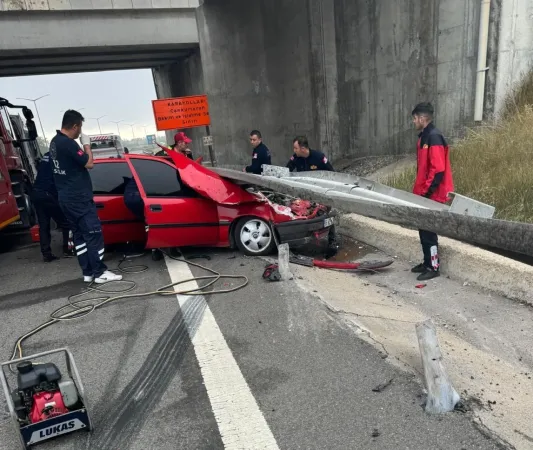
433, 180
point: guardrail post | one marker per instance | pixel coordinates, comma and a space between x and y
283, 262
442, 397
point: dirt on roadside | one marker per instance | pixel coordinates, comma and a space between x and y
485, 339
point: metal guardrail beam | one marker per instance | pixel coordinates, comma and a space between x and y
510, 236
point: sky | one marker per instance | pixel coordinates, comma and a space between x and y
119, 95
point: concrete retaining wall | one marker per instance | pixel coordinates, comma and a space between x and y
460, 261
348, 72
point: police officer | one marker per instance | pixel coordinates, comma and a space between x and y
305, 159
44, 197
433, 180
260, 154
73, 183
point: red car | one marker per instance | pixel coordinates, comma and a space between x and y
186, 204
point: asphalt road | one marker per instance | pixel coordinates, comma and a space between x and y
309, 373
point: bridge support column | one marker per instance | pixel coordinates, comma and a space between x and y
182, 79
270, 65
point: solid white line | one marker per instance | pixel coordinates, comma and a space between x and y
240, 421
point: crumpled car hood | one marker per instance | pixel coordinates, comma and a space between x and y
208, 183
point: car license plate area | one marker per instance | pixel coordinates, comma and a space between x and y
328, 222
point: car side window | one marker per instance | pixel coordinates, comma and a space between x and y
158, 179
108, 178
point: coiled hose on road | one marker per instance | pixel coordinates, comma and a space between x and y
78, 309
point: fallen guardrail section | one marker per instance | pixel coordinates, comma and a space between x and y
465, 219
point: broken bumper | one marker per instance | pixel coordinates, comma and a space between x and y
309, 231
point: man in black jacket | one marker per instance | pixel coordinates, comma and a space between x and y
305, 159
44, 197
260, 154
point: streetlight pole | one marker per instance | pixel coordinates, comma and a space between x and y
37, 111
118, 129
98, 121
132, 132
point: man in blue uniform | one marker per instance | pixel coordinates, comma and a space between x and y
305, 159
260, 154
75, 192
44, 197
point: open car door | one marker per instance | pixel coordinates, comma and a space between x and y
175, 215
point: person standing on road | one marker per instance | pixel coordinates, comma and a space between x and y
181, 144
44, 197
305, 159
433, 180
75, 193
260, 154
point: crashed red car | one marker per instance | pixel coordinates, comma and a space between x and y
186, 204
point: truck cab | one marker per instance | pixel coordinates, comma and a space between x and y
106, 146
19, 153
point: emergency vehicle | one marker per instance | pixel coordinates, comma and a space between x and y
106, 146
19, 154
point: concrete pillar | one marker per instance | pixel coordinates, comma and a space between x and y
514, 48
324, 75
269, 65
236, 79
163, 89
457, 26
181, 79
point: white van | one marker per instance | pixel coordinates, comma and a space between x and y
106, 146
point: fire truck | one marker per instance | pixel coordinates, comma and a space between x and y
19, 155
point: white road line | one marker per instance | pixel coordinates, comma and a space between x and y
240, 421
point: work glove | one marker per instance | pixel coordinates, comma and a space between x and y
84, 139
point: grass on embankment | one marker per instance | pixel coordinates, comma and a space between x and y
494, 163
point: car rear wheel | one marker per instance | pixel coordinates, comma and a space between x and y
254, 237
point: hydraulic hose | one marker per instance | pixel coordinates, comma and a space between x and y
75, 310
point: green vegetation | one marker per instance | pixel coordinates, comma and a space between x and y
494, 163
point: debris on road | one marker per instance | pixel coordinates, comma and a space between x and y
271, 273
381, 387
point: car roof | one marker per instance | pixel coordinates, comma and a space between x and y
199, 178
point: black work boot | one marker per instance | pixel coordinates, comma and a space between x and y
69, 253
49, 258
428, 274
419, 269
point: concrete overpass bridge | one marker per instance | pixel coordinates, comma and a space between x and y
59, 36
345, 72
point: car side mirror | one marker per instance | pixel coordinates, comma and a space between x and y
32, 129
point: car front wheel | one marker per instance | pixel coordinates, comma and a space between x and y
254, 237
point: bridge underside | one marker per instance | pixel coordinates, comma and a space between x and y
47, 42
90, 59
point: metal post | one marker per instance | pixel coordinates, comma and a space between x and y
40, 123
118, 129
210, 147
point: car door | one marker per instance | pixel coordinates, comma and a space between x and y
118, 222
176, 215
